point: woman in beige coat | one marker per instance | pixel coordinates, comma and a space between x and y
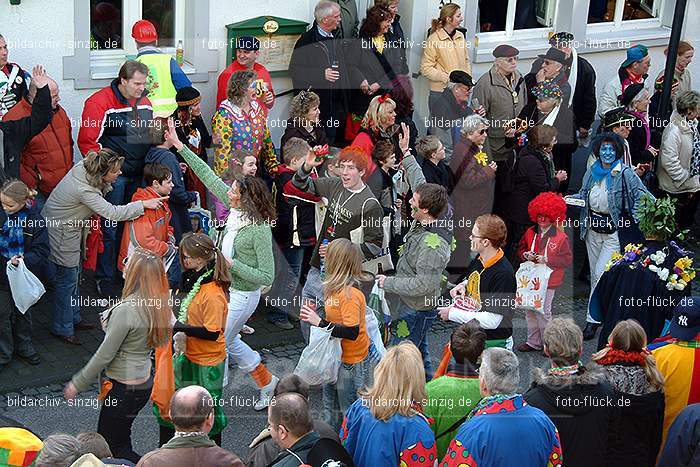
445, 51
78, 196
679, 158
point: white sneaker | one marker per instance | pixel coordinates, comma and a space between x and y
266, 394
247, 329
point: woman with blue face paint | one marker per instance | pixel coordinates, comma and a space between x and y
604, 186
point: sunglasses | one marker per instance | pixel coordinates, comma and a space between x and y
483, 131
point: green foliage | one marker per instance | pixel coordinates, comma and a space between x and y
657, 219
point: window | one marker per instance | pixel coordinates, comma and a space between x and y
102, 34
616, 11
509, 15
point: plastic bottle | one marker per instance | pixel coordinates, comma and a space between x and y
323, 260
180, 54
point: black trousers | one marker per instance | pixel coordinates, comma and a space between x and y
686, 207
121, 406
15, 330
166, 435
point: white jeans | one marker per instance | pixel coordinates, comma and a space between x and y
240, 306
600, 248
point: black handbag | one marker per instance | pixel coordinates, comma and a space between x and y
601, 223
627, 229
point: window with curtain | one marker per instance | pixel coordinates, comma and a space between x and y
162, 14
504, 15
106, 24
609, 11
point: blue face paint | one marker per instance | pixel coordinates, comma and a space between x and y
607, 154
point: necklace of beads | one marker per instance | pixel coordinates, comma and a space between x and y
182, 316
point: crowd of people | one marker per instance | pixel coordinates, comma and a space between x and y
467, 224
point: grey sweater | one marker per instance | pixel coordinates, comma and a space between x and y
424, 256
124, 353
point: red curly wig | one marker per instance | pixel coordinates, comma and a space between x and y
548, 204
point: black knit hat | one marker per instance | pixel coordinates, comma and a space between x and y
630, 93
554, 55
461, 77
187, 96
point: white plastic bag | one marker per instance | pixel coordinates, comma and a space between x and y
26, 288
320, 360
532, 280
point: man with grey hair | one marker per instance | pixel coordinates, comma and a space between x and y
679, 159
192, 413
502, 419
577, 400
318, 64
60, 450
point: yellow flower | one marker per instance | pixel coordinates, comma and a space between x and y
684, 263
481, 158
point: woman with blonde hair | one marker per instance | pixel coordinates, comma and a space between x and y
386, 426
137, 324
345, 311
446, 50
631, 371
68, 211
379, 124
23, 238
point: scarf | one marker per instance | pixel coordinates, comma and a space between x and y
598, 173
501, 399
573, 75
235, 221
549, 119
615, 356
565, 370
12, 235
695, 157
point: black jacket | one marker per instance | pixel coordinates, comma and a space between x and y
16, 133
301, 449
316, 137
576, 404
36, 248
584, 105
366, 63
637, 140
682, 448
312, 54
532, 175
438, 174
180, 199
396, 40
291, 200
567, 142
449, 110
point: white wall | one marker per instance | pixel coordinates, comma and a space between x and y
33, 22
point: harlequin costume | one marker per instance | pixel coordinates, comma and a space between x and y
18, 447
202, 318
400, 441
241, 131
678, 359
503, 431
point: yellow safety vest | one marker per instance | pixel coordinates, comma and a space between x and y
161, 91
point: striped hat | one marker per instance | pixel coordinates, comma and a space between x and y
659, 83
18, 447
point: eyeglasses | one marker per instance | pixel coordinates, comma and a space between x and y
483, 131
253, 85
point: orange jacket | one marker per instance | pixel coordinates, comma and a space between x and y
151, 231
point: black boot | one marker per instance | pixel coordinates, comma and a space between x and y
590, 330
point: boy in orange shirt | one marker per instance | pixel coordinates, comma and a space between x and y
152, 230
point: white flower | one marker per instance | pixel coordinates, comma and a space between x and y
673, 277
669, 286
659, 257
653, 268
663, 274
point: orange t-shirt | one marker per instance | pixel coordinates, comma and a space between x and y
349, 310
209, 309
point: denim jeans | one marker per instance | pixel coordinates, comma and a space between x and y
15, 330
287, 283
313, 289
174, 274
418, 324
338, 397
119, 409
66, 310
122, 191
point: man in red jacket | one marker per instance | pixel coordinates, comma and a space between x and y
247, 52
48, 156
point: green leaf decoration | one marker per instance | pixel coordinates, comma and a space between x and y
657, 218
453, 245
432, 240
400, 249
402, 329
